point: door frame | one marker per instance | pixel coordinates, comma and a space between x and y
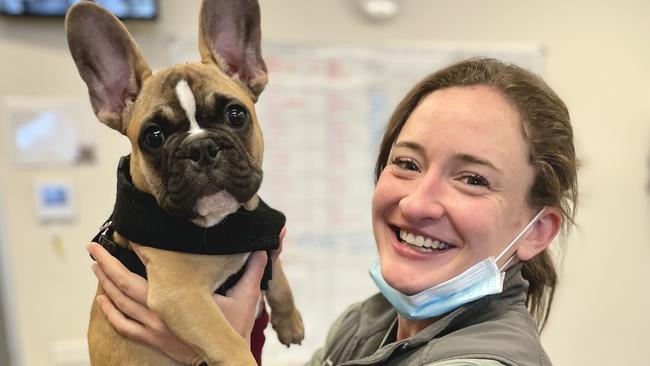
9, 354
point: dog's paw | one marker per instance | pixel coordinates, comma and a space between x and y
289, 329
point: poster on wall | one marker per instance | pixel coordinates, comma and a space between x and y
322, 115
46, 131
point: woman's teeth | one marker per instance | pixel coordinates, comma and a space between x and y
422, 242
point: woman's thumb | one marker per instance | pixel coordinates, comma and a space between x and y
249, 284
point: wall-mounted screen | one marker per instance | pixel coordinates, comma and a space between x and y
124, 9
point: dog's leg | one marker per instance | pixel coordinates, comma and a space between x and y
285, 318
180, 292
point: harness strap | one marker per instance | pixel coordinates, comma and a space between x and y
132, 262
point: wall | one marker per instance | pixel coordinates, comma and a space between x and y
597, 60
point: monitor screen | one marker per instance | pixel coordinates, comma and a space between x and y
124, 9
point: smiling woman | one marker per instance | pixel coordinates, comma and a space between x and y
540, 130
476, 173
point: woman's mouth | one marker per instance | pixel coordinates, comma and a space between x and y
419, 242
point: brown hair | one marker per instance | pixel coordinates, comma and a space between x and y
547, 129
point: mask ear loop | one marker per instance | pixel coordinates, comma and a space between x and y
514, 241
507, 263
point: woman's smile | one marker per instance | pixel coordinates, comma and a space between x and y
412, 246
422, 243
416, 246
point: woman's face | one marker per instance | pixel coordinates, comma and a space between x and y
454, 190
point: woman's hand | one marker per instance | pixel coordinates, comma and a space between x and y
126, 295
237, 305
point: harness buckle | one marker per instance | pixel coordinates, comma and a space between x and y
105, 227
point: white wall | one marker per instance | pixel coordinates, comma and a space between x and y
597, 60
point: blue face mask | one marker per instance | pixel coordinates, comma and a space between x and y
480, 280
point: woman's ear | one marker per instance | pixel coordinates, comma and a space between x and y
541, 234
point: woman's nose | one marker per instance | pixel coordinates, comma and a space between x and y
425, 201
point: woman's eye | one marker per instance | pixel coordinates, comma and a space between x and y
476, 180
406, 164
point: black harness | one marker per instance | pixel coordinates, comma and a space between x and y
138, 218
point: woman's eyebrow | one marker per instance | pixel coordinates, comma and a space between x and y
411, 145
472, 159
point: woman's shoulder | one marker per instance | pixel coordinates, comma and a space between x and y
467, 362
485, 336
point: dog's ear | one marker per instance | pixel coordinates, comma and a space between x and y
230, 33
108, 61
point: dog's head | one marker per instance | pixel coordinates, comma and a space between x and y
196, 142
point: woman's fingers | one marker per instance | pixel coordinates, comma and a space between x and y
283, 232
125, 326
125, 307
276, 252
127, 293
240, 302
129, 283
124, 303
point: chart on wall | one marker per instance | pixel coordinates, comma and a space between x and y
322, 115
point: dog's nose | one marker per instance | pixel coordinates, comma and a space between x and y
203, 152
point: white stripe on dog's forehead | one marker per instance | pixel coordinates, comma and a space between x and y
186, 98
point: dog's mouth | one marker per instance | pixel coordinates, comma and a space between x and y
212, 209
215, 203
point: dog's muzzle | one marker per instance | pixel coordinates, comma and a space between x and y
203, 164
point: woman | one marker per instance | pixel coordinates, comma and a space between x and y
476, 176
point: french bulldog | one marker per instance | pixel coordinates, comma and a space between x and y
197, 149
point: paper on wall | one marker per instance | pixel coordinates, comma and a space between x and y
47, 131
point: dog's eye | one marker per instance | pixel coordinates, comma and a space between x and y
154, 137
236, 115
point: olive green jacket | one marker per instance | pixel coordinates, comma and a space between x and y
495, 330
